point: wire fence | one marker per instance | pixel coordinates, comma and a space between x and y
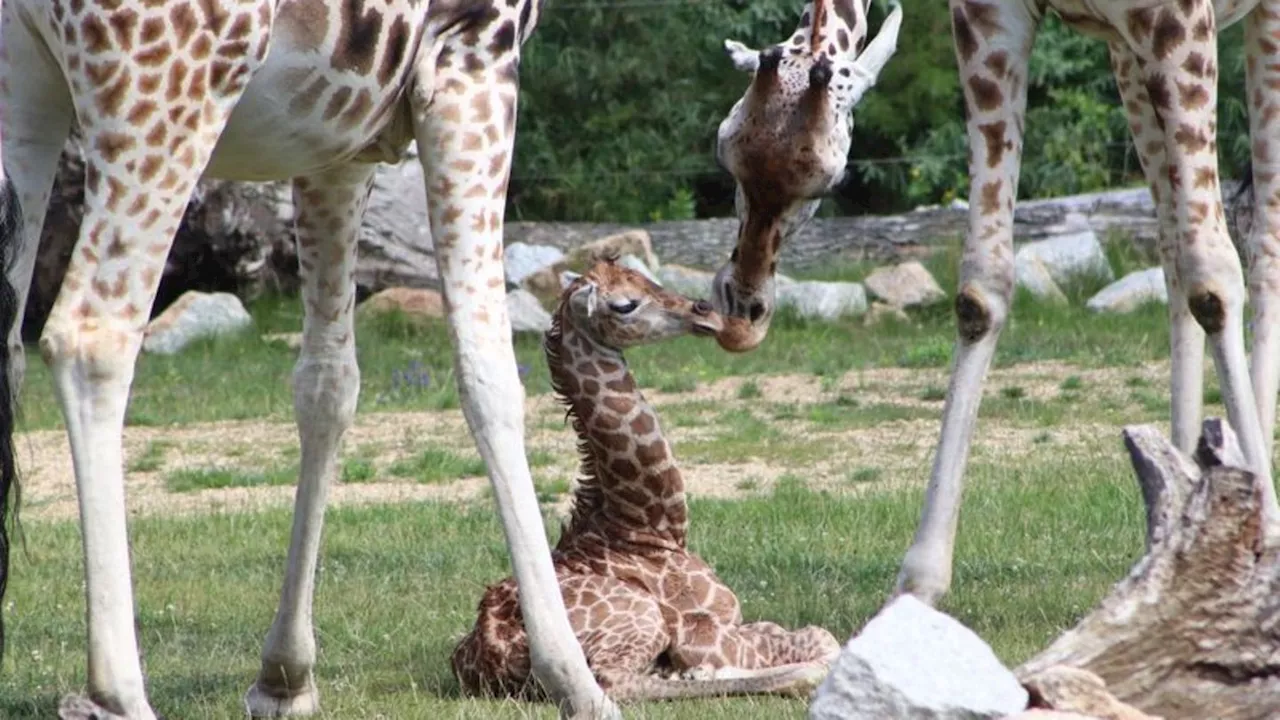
894, 160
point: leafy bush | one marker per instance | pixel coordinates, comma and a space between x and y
621, 100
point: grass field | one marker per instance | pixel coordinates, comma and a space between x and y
805, 461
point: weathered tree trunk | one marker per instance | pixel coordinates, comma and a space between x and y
238, 237
233, 238
1194, 631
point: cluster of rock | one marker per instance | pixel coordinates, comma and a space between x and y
913, 662
535, 275
1044, 266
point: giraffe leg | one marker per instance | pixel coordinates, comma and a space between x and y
704, 642
36, 121
326, 383
465, 131
137, 183
992, 48
90, 344
1186, 337
1261, 28
1181, 80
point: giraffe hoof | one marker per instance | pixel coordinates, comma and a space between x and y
261, 702
78, 707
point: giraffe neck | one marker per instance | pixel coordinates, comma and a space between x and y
630, 488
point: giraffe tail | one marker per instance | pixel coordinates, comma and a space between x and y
11, 234
797, 679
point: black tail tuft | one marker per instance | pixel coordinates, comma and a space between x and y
10, 241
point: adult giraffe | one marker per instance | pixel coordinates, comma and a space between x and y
319, 91
1165, 58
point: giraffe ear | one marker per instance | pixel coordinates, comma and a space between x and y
744, 58
584, 300
873, 59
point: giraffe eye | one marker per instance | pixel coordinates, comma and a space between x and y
624, 307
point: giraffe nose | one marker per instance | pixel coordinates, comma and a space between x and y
701, 307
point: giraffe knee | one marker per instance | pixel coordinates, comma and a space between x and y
978, 314
325, 390
1208, 308
98, 350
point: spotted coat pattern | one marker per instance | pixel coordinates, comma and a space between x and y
639, 601
163, 92
1164, 56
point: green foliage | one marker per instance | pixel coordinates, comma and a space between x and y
620, 103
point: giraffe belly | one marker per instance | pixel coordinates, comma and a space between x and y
1099, 18
293, 121
325, 94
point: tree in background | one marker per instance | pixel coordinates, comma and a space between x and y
621, 100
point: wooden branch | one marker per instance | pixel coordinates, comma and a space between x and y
1194, 630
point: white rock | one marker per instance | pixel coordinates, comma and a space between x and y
527, 314
686, 280
192, 316
522, 260
912, 662
904, 285
1070, 256
1032, 274
823, 300
1130, 291
634, 263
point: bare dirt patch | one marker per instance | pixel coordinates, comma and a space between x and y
855, 452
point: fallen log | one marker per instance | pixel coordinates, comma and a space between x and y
1194, 630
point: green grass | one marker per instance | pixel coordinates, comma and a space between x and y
358, 470
246, 377
210, 478
151, 458
397, 586
437, 465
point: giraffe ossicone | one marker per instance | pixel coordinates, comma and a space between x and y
654, 620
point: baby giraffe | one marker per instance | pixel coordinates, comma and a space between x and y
653, 619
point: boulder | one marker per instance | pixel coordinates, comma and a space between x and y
1131, 291
879, 312
1032, 275
192, 316
911, 661
418, 305
686, 280
1069, 256
630, 242
823, 300
527, 314
521, 260
904, 285
291, 340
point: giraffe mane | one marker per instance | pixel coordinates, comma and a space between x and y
588, 496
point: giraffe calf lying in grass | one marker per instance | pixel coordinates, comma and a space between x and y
653, 619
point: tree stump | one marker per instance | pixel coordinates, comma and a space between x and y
1194, 630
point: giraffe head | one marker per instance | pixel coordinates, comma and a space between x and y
786, 142
618, 308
